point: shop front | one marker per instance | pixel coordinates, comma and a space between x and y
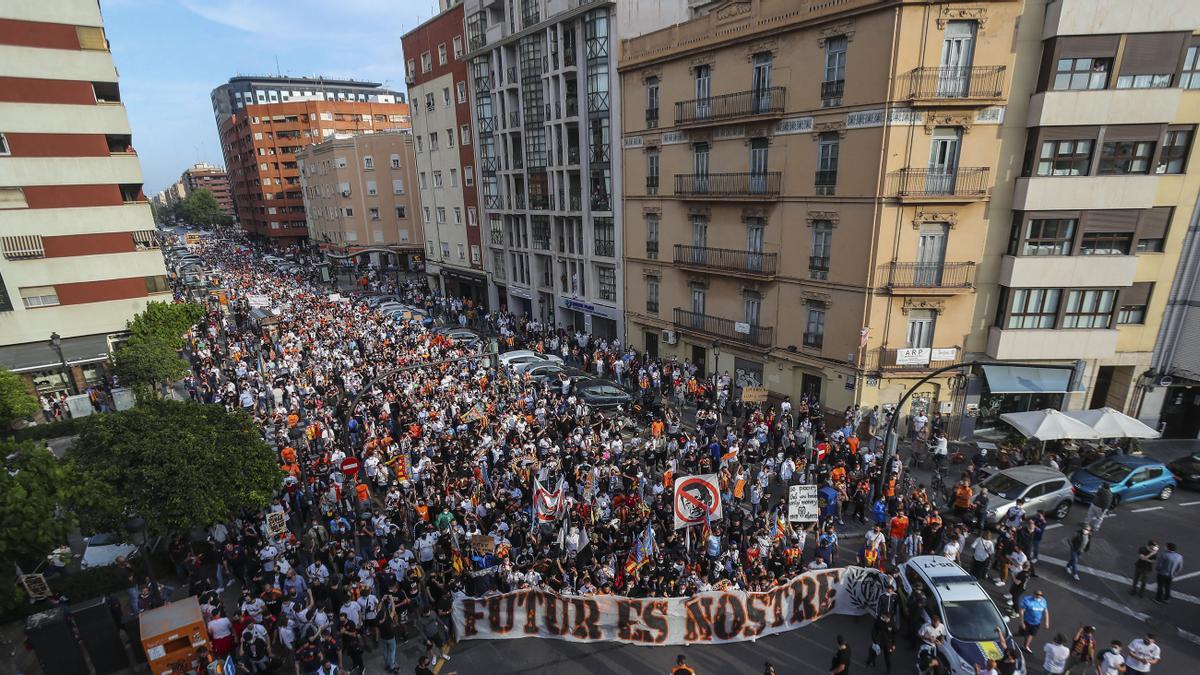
997, 389
598, 320
458, 283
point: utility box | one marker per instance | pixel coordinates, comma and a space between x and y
173, 636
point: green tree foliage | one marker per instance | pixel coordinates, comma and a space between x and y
178, 464
39, 495
16, 401
151, 356
201, 208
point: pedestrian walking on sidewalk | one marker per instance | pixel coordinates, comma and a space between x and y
1168, 566
1102, 503
1147, 556
1080, 543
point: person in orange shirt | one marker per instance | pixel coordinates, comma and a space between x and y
656, 428
423, 510
292, 420
363, 493
288, 453
853, 443
838, 474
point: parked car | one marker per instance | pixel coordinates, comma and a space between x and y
1187, 470
601, 393
517, 357
1041, 487
461, 335
970, 616
1130, 478
377, 300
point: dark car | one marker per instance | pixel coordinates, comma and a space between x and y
1187, 470
601, 393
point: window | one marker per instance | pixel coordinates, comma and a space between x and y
652, 172
349, 212
446, 95
1173, 157
157, 284
441, 215
4, 149
433, 140
453, 178
1064, 158
827, 164
818, 260
814, 326
458, 46
449, 138
1033, 308
462, 251
426, 62
604, 242
420, 144
411, 68
39, 296
437, 179
445, 249
1090, 308
397, 186
652, 295
442, 54
460, 90
339, 162
751, 307
1106, 243
1125, 157
427, 218
421, 180
651, 102
652, 237
608, 283
1190, 78
369, 163
1049, 236
400, 213
374, 213
921, 323
372, 188
464, 134
143, 240
1133, 303
835, 69
469, 176
472, 216
395, 161
1160, 81
458, 215
1082, 73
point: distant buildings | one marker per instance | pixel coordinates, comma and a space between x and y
197, 177
264, 121
79, 253
359, 197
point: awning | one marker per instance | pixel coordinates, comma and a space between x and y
468, 277
1027, 380
33, 356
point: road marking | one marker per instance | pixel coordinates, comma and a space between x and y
1189, 575
1189, 503
1149, 508
1190, 637
1110, 576
1053, 526
1095, 597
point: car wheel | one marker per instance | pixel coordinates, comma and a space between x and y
1062, 510
1166, 493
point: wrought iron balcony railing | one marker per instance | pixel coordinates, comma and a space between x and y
715, 326
729, 185
956, 82
768, 101
965, 182
931, 275
727, 260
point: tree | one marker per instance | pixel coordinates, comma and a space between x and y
39, 495
16, 402
201, 208
177, 464
151, 355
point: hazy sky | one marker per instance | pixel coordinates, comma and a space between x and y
171, 53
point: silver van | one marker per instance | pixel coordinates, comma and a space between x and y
1042, 488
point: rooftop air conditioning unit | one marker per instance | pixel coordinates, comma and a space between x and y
670, 337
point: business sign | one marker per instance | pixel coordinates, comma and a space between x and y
713, 617
694, 497
802, 504
914, 356
944, 354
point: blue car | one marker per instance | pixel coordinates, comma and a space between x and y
1130, 479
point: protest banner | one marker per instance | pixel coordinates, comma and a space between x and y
695, 496
802, 504
276, 523
714, 617
754, 394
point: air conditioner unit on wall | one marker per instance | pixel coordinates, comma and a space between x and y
670, 337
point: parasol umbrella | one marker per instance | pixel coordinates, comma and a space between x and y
1049, 425
1110, 423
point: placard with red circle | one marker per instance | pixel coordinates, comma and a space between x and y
695, 496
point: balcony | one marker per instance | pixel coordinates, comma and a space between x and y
606, 248
652, 250
727, 261
767, 102
652, 185
832, 89
1036, 344
1075, 271
735, 331
914, 278
910, 360
964, 184
739, 186
956, 85
651, 118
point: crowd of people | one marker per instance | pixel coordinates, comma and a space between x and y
451, 449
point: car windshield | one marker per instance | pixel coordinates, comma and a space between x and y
605, 389
1004, 486
972, 620
1109, 470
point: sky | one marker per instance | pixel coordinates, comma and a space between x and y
170, 54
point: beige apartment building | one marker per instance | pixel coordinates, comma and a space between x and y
807, 190
359, 197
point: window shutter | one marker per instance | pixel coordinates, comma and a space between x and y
1151, 53
1153, 223
1133, 132
1068, 133
1138, 293
1123, 220
1082, 46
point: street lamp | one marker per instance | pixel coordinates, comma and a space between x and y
716, 348
56, 345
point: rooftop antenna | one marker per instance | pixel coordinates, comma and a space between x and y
277, 71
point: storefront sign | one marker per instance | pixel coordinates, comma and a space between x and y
944, 354
714, 617
741, 327
520, 292
916, 356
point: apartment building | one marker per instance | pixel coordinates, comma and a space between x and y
359, 198
78, 250
263, 122
807, 187
546, 120
1092, 213
437, 79
203, 176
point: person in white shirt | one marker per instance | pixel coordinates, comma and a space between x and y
1110, 661
1142, 653
1057, 654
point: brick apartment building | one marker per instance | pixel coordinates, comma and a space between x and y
212, 178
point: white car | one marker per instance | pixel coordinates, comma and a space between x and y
515, 359
968, 613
